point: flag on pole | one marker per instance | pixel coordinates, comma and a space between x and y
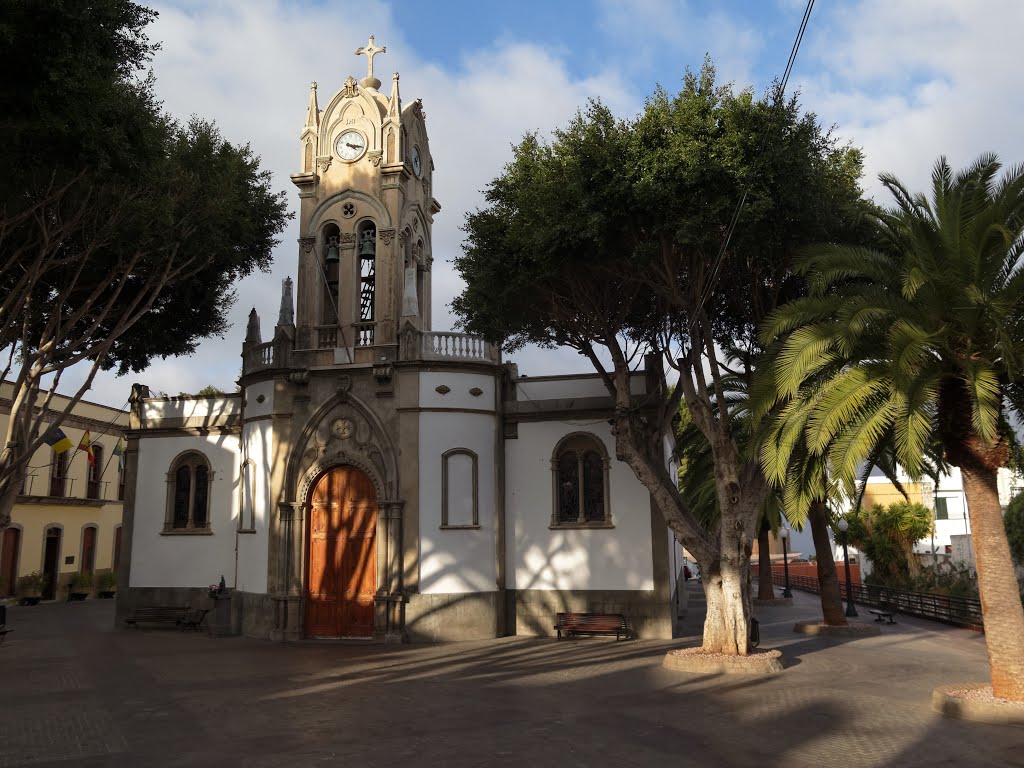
56, 439
119, 452
85, 444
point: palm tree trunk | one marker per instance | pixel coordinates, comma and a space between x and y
832, 612
1000, 599
765, 591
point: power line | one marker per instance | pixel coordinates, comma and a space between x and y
780, 91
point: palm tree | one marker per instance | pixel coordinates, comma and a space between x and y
921, 336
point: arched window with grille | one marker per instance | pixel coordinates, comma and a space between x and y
580, 494
366, 252
188, 494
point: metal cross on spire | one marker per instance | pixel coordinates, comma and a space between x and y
370, 50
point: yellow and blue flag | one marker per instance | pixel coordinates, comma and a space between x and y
56, 439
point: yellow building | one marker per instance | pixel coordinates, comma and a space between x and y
67, 518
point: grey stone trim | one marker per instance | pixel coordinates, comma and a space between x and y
419, 409
452, 617
646, 611
65, 501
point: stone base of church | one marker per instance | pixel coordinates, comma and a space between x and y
648, 612
452, 617
253, 614
145, 597
440, 617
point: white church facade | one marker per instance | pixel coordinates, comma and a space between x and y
374, 478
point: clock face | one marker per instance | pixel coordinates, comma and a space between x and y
417, 163
351, 145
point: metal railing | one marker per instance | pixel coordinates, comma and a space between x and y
961, 611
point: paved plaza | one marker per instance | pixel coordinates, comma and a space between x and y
78, 692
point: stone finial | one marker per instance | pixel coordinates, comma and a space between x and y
395, 102
370, 50
252, 330
287, 313
313, 109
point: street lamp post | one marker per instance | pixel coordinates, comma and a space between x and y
844, 526
784, 534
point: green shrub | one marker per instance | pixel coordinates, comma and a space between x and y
1013, 520
32, 584
948, 578
106, 581
80, 581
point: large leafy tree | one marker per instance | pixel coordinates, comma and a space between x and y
121, 230
611, 239
921, 339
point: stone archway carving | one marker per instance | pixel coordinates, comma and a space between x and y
342, 432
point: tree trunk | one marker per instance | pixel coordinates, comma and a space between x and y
765, 591
1000, 598
832, 612
727, 625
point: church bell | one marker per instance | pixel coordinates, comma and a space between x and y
368, 245
332, 250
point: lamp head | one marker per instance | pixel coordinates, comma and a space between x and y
784, 533
843, 524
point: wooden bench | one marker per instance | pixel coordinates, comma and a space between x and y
164, 614
592, 624
883, 614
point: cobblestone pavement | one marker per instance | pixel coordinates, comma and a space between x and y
75, 691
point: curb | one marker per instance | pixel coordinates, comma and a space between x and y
695, 660
989, 710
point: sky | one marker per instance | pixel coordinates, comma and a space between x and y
904, 80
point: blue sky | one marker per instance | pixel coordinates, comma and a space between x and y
905, 80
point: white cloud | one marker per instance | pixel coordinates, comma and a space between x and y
646, 33
910, 81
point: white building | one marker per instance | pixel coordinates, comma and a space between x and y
948, 502
375, 478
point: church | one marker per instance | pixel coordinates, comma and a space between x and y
374, 478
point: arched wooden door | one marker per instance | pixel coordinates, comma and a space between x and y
342, 555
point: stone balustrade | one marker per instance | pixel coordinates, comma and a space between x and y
447, 345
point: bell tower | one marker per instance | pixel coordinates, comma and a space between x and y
366, 213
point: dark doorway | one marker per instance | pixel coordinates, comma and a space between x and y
9, 560
51, 563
